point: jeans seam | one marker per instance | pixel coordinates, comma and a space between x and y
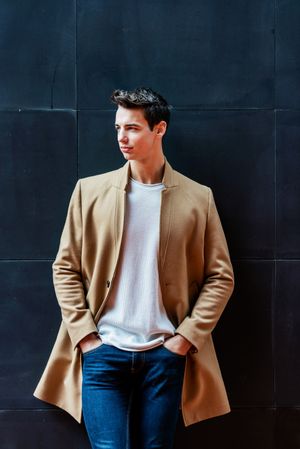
128, 421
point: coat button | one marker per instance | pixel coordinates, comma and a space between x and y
107, 284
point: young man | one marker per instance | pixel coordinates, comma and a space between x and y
142, 276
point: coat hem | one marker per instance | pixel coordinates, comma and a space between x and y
188, 421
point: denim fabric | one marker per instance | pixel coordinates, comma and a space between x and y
131, 400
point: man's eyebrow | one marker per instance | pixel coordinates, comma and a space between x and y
128, 124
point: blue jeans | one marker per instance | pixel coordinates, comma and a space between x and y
131, 400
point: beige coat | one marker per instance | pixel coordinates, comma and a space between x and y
196, 280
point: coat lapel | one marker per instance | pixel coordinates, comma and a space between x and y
167, 211
119, 184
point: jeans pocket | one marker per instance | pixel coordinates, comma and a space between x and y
91, 351
174, 353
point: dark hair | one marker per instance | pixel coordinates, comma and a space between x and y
154, 105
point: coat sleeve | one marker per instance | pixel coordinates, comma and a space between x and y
67, 278
217, 286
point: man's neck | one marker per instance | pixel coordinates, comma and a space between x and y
148, 173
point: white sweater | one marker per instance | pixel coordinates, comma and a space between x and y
134, 318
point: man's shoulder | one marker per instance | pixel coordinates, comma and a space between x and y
99, 180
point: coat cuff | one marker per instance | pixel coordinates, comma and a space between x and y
186, 330
82, 331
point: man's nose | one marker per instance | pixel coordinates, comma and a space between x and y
122, 137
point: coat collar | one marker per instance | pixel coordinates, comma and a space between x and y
122, 176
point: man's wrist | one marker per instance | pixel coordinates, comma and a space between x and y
88, 341
178, 344
184, 341
189, 345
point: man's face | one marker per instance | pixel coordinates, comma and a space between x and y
136, 140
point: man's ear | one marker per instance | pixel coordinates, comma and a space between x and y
161, 128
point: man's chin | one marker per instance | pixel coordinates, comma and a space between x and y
128, 156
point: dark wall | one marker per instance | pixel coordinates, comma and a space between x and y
231, 70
